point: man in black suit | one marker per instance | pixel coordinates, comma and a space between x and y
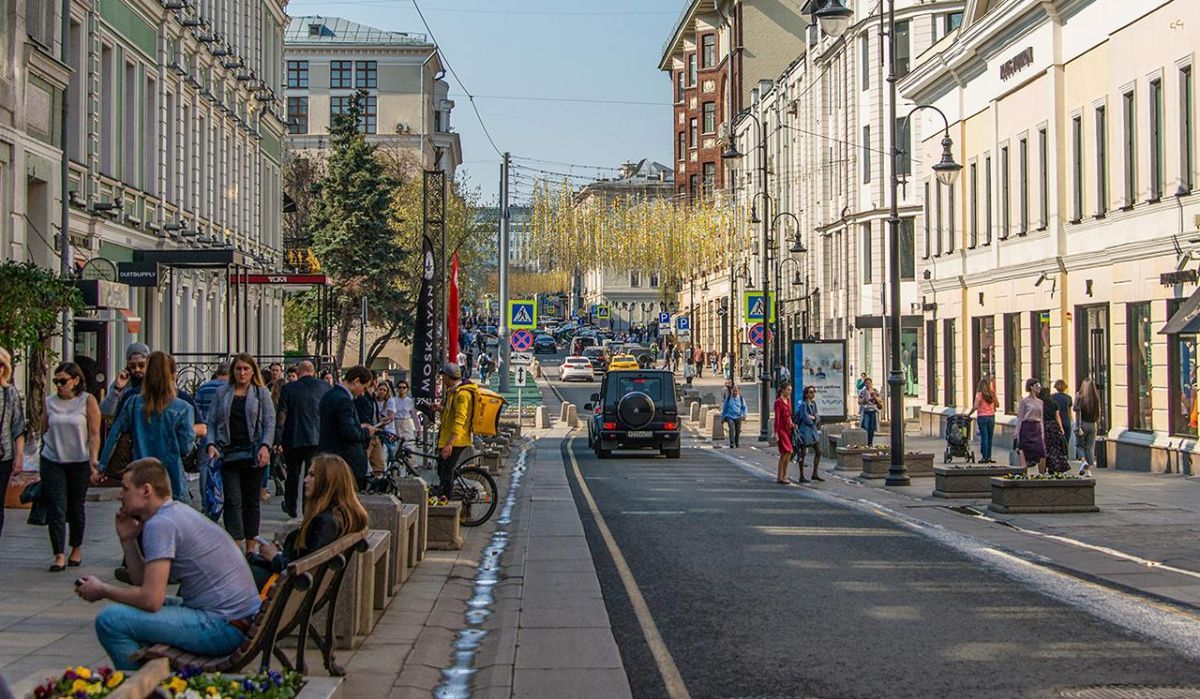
342, 433
299, 413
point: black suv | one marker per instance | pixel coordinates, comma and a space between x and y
635, 410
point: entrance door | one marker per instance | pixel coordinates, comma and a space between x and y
1092, 355
91, 353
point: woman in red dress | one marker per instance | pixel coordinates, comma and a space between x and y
783, 431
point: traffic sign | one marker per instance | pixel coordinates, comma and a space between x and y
755, 307
602, 313
664, 317
521, 340
522, 314
756, 334
520, 358
683, 326
520, 379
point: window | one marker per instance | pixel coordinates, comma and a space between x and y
679, 85
983, 336
1039, 346
951, 21
709, 111
1182, 385
1023, 186
368, 121
297, 74
951, 228
710, 178
129, 126
1129, 144
693, 133
928, 221
682, 146
1101, 162
937, 218
1140, 345
948, 361
708, 50
1043, 178
902, 49
1005, 194
987, 197
973, 211
149, 135
691, 69
932, 378
866, 153
864, 43
1076, 169
1156, 140
693, 186
653, 279
1092, 352
867, 253
40, 22
908, 250
366, 74
1014, 380
108, 136
635, 278
903, 139
909, 361
297, 114
341, 75
1186, 145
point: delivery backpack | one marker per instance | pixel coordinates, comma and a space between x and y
486, 407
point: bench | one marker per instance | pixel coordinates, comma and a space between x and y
444, 533
409, 541
383, 512
305, 586
356, 601
415, 491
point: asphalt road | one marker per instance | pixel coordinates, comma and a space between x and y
761, 590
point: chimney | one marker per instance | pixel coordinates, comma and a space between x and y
628, 168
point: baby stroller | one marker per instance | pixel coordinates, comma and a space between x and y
958, 438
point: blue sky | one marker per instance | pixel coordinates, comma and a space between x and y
561, 49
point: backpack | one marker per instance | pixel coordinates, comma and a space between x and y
486, 407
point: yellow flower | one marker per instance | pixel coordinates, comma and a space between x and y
79, 686
115, 679
213, 691
176, 684
83, 673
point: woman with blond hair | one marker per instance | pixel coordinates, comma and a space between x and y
241, 429
331, 510
159, 423
12, 426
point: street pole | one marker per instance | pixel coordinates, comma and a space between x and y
503, 267
362, 332
64, 227
764, 392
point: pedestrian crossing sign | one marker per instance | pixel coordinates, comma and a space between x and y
522, 314
602, 313
755, 307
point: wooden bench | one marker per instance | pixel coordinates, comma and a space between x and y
288, 607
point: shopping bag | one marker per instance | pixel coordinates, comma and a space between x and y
213, 497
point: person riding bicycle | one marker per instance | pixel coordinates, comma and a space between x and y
454, 434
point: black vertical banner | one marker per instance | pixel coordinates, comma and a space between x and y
424, 356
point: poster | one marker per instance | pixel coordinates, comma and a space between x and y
424, 361
822, 365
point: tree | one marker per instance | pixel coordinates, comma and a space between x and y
349, 226
30, 305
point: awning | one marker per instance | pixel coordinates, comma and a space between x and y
869, 322
133, 323
1186, 319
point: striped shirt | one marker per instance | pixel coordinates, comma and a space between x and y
12, 421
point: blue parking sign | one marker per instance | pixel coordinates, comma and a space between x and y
664, 318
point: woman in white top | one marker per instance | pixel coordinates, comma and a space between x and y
70, 454
385, 409
407, 418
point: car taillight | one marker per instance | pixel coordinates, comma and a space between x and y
610, 425
670, 425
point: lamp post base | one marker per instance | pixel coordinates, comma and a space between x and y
898, 474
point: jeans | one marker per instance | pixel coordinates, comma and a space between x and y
296, 461
735, 430
65, 486
122, 630
870, 423
445, 470
242, 481
1089, 443
6, 470
987, 426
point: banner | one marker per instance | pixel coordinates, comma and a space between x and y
822, 365
424, 361
452, 321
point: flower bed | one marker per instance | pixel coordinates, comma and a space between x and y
968, 481
850, 458
1053, 493
82, 682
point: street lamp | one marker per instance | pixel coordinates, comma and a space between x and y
796, 247
834, 17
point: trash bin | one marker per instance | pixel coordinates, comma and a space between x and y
1101, 452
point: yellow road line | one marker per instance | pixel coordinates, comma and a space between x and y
658, 648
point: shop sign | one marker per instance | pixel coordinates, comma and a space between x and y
1186, 276
139, 274
280, 279
1016, 64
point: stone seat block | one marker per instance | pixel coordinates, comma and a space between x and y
444, 532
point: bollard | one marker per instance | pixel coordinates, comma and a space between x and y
541, 417
572, 417
562, 411
704, 417
694, 411
716, 429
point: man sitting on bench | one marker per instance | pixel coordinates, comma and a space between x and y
217, 598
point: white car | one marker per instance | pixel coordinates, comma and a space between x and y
577, 368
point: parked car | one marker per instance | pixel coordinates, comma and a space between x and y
582, 343
635, 409
577, 369
598, 358
544, 343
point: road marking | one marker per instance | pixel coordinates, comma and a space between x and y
658, 648
654, 512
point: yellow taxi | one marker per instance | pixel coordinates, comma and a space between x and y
623, 361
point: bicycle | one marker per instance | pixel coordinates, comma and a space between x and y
474, 487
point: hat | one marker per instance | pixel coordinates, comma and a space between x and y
136, 348
451, 369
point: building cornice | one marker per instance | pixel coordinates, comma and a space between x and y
687, 19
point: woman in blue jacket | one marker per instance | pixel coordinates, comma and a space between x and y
733, 412
808, 435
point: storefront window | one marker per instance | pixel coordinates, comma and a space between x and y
931, 362
1141, 362
1091, 354
948, 362
1013, 375
908, 361
983, 336
1040, 346
1181, 359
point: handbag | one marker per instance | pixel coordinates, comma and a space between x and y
213, 497
32, 494
122, 453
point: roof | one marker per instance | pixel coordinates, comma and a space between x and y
315, 30
686, 19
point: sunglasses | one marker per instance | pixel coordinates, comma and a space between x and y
61, 382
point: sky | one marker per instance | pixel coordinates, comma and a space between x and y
564, 50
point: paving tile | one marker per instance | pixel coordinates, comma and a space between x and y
591, 683
566, 648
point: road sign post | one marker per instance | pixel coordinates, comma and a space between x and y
521, 341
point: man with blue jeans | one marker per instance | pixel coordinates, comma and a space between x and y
217, 597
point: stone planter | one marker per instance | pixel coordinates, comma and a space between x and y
874, 466
851, 458
1051, 495
919, 464
968, 481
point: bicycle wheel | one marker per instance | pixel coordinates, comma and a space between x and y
476, 488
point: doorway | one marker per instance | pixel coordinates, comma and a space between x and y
1092, 355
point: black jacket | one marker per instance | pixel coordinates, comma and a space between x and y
299, 406
342, 432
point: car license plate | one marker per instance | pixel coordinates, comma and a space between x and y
641, 434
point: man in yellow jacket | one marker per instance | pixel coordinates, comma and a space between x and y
454, 435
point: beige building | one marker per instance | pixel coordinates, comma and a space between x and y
173, 142
329, 59
1069, 249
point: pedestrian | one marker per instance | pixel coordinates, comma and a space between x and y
860, 382
727, 366
1031, 441
299, 405
12, 426
733, 413
454, 435
1065, 408
869, 404
463, 366
241, 430
70, 450
783, 431
342, 433
327, 377
1053, 435
985, 405
808, 433
293, 374
689, 371
208, 389
386, 409
128, 381
1087, 404
408, 418
782, 375
698, 361
276, 381
158, 422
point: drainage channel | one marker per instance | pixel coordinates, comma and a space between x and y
456, 682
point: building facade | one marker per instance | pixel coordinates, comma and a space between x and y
1069, 250
173, 146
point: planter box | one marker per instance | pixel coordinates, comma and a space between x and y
850, 459
919, 464
875, 466
968, 481
1043, 496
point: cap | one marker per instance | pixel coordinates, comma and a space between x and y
136, 348
451, 369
